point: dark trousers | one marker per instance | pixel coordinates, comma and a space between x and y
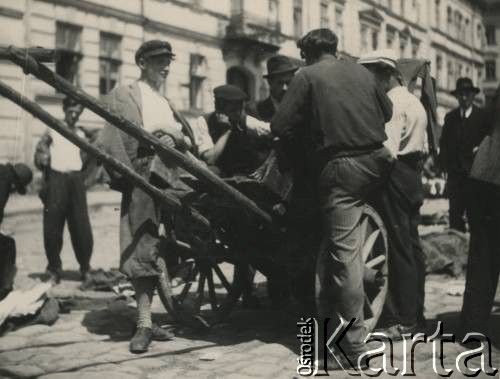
7, 264
65, 199
399, 207
345, 185
484, 257
457, 187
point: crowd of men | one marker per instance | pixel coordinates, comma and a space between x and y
362, 136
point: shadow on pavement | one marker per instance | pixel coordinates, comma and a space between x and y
70, 275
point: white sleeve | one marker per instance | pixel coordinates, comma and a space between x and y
261, 128
202, 137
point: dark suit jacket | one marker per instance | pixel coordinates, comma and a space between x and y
486, 166
459, 138
263, 110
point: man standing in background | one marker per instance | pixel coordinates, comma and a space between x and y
402, 196
64, 195
463, 130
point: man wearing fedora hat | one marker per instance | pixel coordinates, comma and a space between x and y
13, 178
463, 130
402, 196
280, 71
143, 104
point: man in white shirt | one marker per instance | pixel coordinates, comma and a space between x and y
141, 215
402, 196
64, 195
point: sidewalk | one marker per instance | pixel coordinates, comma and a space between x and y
30, 204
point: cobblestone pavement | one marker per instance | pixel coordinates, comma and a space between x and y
92, 340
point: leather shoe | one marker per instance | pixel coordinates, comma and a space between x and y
141, 340
160, 334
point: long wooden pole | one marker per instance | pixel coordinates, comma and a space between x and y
170, 201
39, 53
212, 181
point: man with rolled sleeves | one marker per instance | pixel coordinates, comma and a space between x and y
402, 196
280, 72
463, 130
236, 144
338, 106
142, 103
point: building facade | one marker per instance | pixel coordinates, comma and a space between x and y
492, 47
218, 41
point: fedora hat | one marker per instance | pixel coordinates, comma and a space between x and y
464, 84
279, 64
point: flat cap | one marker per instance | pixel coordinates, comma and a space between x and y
229, 92
152, 48
381, 56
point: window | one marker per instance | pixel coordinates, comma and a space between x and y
415, 48
401, 7
389, 4
490, 31
339, 25
364, 38
480, 37
437, 14
109, 62
374, 39
297, 17
197, 75
451, 75
324, 14
68, 45
402, 47
390, 37
449, 21
274, 10
467, 31
459, 70
439, 68
491, 69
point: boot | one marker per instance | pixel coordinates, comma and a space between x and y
141, 340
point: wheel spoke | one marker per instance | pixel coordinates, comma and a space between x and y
211, 290
200, 292
375, 261
369, 243
223, 278
187, 286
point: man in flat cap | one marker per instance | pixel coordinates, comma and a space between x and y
236, 144
280, 71
143, 104
402, 195
228, 138
463, 130
340, 109
13, 178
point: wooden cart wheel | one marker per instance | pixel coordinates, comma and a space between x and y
374, 255
200, 291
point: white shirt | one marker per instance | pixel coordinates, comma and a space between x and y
64, 155
467, 112
202, 136
156, 111
406, 130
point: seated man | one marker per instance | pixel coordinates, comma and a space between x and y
227, 138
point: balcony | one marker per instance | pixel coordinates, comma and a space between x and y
250, 30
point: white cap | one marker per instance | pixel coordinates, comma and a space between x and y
383, 56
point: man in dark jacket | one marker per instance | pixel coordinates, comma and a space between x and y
463, 130
339, 108
280, 72
12, 178
483, 265
141, 215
